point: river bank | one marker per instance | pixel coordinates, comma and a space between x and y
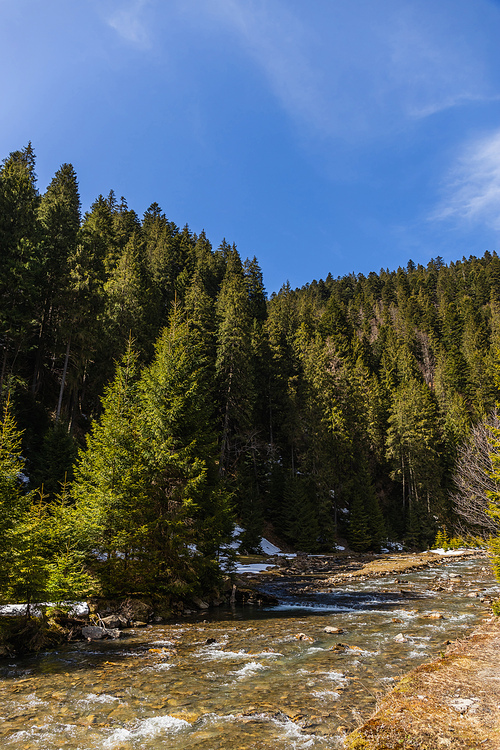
307, 574
452, 702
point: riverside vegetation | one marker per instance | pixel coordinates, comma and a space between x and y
152, 395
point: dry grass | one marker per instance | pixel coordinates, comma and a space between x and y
452, 702
393, 565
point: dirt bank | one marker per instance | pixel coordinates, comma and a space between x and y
452, 702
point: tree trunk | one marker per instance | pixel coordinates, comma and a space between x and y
63, 380
225, 431
4, 363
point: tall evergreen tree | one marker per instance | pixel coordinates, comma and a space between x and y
234, 365
110, 488
20, 262
59, 217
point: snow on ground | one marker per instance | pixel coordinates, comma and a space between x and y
252, 568
451, 552
267, 547
74, 608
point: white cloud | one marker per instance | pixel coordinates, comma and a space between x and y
276, 40
431, 65
128, 21
473, 184
359, 69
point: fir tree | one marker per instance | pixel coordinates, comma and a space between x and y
110, 487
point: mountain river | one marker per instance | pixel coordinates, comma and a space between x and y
244, 678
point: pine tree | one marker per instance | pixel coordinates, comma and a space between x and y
188, 506
14, 503
20, 261
359, 532
34, 543
110, 489
234, 366
54, 462
413, 443
59, 218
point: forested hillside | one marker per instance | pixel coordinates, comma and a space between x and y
334, 410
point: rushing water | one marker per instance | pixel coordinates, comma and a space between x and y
242, 678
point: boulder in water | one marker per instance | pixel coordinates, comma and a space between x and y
93, 632
96, 633
136, 610
114, 621
332, 630
199, 602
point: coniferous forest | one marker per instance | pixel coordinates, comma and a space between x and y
153, 395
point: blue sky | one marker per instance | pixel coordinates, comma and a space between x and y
329, 136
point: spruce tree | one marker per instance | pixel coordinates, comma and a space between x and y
110, 488
59, 218
234, 366
14, 503
188, 507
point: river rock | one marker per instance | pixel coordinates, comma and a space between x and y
136, 610
199, 602
114, 621
304, 637
334, 631
96, 633
400, 638
434, 616
93, 632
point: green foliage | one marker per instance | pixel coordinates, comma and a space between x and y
109, 489
55, 460
147, 488
40, 555
442, 541
366, 524
350, 394
302, 521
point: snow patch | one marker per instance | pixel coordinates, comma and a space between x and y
451, 552
17, 610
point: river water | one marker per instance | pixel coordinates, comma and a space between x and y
244, 678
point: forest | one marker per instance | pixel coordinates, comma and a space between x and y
153, 395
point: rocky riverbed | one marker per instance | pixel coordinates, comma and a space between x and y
301, 674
